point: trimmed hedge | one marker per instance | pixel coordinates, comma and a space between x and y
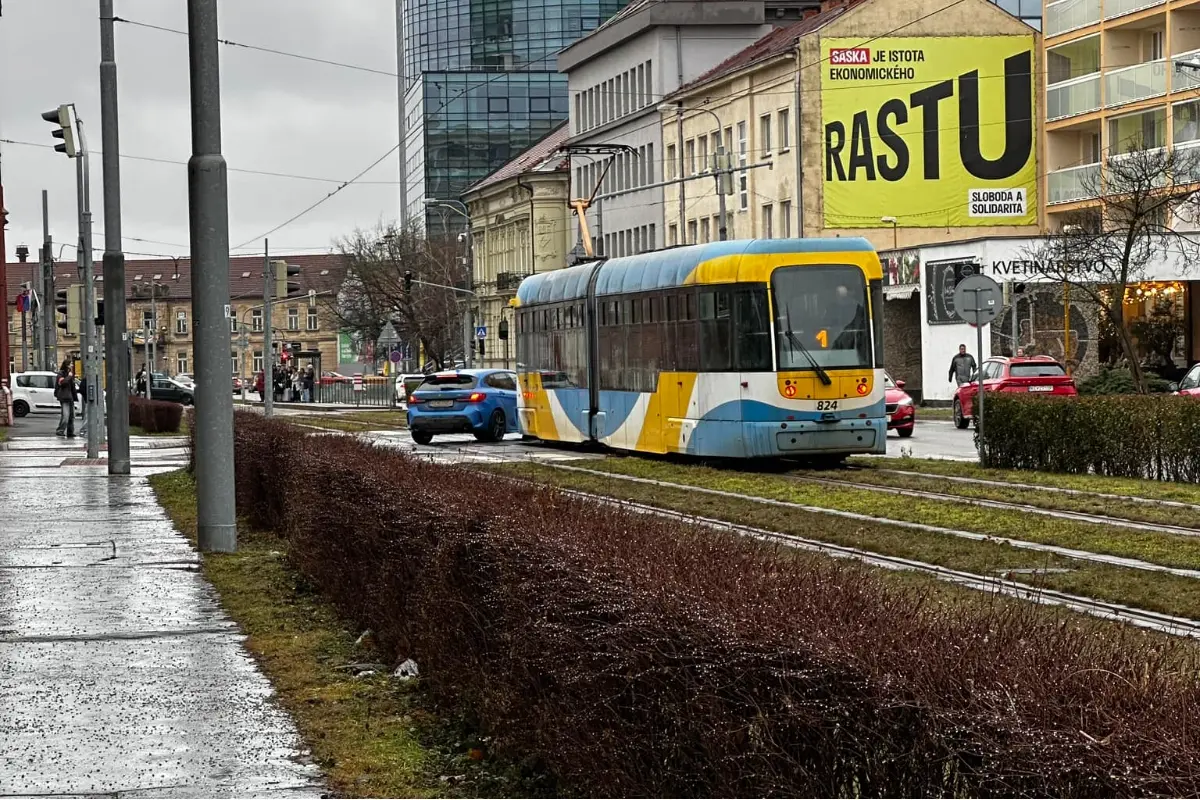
1127, 436
155, 416
637, 656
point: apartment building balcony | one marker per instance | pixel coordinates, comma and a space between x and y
1137, 82
1071, 184
1185, 77
1119, 8
1076, 96
1068, 15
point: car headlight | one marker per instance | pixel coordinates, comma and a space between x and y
905, 402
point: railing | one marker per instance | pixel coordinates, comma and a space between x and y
375, 392
1067, 15
1187, 161
1119, 8
1129, 84
1072, 183
1185, 78
1076, 96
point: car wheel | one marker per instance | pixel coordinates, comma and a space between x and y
960, 421
422, 437
905, 432
496, 428
187, 400
20, 408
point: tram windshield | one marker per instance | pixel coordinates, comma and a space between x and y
821, 319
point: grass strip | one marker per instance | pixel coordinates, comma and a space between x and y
360, 422
1134, 487
1153, 591
1158, 548
374, 736
1055, 501
940, 414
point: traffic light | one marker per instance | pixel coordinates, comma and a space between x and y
408, 280
69, 303
64, 118
284, 286
503, 334
99, 311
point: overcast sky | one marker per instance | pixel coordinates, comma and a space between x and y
278, 115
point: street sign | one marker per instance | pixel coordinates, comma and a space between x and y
395, 356
978, 300
481, 332
388, 338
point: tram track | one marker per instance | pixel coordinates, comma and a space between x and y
1163, 623
1002, 505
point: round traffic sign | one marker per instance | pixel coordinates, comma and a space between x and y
978, 300
394, 357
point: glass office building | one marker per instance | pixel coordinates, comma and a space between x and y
480, 85
1030, 11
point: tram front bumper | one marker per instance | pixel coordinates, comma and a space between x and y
811, 436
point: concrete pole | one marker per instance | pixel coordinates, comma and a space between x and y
147, 332
268, 359
208, 207
49, 326
116, 336
153, 326
91, 348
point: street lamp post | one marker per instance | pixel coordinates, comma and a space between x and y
460, 208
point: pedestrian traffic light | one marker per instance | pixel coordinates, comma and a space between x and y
284, 286
99, 312
69, 303
64, 118
408, 280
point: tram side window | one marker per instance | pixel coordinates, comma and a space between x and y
687, 335
753, 340
716, 331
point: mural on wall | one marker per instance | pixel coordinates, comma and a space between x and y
901, 268
939, 292
1040, 329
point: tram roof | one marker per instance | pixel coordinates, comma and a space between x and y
664, 269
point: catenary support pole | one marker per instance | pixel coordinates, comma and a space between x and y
116, 337
268, 351
208, 207
91, 346
49, 323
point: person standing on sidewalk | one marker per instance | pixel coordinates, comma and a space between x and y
64, 392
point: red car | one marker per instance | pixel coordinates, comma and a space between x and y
901, 413
1189, 384
1040, 374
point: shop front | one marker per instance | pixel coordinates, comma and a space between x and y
1042, 316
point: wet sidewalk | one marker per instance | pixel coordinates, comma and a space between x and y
119, 672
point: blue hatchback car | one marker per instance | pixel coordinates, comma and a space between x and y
478, 401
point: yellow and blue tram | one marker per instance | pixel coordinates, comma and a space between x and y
740, 349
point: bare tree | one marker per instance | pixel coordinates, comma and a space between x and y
1147, 201
373, 292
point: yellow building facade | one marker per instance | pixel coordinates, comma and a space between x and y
520, 225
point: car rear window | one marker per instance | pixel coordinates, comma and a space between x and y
448, 382
1036, 370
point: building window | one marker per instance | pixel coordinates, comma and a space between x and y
671, 166
497, 105
578, 112
638, 97
743, 178
767, 211
672, 234
716, 142
293, 319
256, 362
705, 164
233, 324
652, 242
764, 134
181, 363
256, 320
705, 231
689, 148
691, 231
785, 130
648, 85
785, 218
312, 319
181, 326
649, 177
234, 364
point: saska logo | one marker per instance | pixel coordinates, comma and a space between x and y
850, 55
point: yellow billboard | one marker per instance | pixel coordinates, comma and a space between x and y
930, 131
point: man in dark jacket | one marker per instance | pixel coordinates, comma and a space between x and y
64, 392
962, 366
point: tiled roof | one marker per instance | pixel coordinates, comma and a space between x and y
775, 43
535, 158
321, 272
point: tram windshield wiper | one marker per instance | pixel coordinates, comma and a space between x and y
795, 342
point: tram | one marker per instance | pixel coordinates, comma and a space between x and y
753, 348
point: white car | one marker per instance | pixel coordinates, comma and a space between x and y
33, 392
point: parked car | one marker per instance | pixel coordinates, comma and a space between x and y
170, 390
187, 379
1189, 384
1035, 374
901, 413
478, 401
407, 384
33, 392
